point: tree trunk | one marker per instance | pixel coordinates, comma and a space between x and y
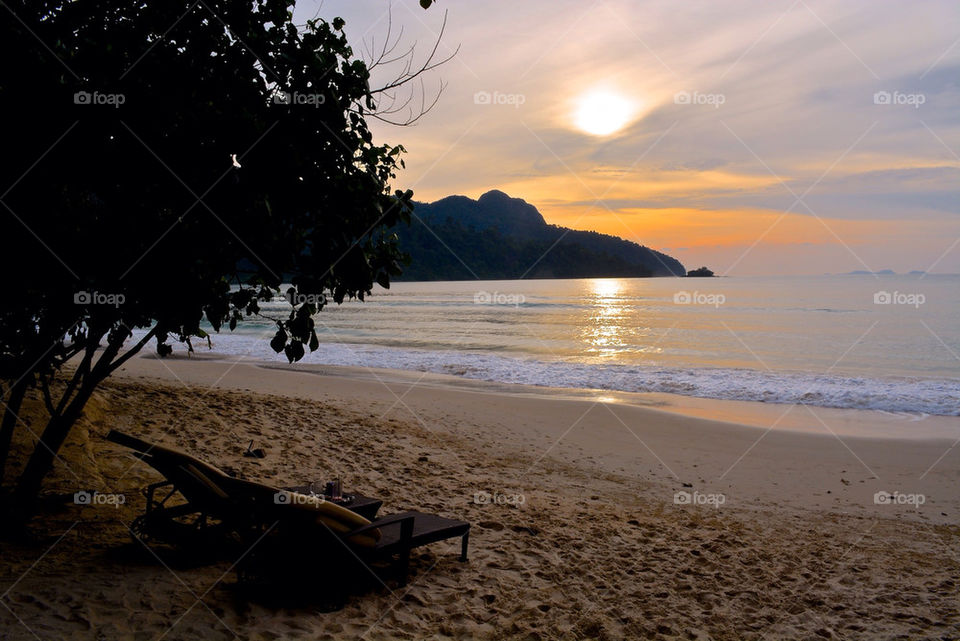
41, 461
10, 418
58, 427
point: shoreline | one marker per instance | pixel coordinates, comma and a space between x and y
790, 417
813, 459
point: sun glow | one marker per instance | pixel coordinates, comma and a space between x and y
603, 330
602, 113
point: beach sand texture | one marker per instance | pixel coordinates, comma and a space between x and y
576, 532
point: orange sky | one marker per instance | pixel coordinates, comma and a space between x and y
810, 138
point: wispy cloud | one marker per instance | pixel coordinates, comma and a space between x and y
776, 92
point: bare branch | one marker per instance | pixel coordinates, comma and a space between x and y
410, 74
424, 110
114, 366
387, 48
427, 65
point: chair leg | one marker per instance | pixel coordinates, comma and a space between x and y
404, 566
463, 546
406, 536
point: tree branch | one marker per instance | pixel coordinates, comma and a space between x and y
407, 75
47, 400
133, 350
81, 372
427, 65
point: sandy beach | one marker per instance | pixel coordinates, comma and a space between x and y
594, 515
424, 321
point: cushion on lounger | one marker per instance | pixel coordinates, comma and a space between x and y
205, 481
339, 519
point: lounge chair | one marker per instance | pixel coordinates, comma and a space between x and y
191, 507
271, 523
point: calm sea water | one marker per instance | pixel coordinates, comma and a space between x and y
889, 343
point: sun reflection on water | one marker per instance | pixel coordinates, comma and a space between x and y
604, 329
614, 324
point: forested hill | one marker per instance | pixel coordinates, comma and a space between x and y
499, 237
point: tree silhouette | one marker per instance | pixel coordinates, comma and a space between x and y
170, 162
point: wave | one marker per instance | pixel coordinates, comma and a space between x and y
888, 394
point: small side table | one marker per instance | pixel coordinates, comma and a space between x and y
365, 506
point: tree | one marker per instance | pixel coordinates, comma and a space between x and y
171, 162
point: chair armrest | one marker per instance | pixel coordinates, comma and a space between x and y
405, 519
126, 440
151, 489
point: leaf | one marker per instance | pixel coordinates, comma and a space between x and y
279, 341
294, 351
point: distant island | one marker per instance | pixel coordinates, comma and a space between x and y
889, 272
499, 237
700, 272
882, 272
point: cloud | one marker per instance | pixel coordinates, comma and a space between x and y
798, 112
705, 164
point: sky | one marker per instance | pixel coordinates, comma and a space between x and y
754, 137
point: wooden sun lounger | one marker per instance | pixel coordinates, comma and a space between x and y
218, 505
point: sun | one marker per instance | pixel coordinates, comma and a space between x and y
602, 113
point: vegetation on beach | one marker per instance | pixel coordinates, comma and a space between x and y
171, 162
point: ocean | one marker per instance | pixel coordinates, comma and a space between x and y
888, 343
